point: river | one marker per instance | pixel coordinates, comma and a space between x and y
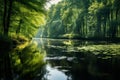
79, 60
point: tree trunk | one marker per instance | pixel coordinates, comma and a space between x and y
98, 31
7, 15
19, 27
6, 25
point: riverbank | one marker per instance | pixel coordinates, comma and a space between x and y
112, 40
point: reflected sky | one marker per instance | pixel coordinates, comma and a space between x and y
54, 74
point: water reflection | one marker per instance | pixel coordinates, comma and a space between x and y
27, 63
54, 74
79, 60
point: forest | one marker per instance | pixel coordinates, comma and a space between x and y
59, 39
83, 19
19, 21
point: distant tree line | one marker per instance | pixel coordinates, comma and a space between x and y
98, 19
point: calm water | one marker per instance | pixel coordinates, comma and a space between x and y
64, 61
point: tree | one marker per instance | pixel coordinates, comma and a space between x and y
9, 9
10, 12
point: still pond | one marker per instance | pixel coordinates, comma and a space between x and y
79, 60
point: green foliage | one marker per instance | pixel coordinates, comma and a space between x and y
22, 16
86, 18
95, 7
31, 19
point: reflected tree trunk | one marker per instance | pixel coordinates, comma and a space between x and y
7, 67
